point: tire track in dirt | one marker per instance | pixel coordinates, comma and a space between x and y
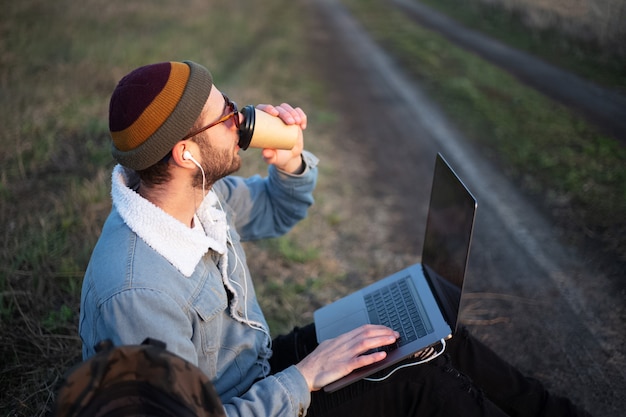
557, 319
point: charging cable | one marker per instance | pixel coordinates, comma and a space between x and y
406, 365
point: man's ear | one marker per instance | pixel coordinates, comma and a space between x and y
183, 154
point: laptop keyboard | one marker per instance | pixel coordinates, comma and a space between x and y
395, 306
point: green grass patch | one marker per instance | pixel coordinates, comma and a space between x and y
289, 249
285, 303
586, 58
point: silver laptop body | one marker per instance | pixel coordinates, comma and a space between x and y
422, 301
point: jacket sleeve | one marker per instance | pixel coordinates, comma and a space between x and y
282, 394
271, 206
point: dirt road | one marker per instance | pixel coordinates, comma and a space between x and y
542, 305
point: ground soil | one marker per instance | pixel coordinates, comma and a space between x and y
535, 298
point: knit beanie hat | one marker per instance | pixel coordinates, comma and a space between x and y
153, 108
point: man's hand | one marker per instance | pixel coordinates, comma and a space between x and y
336, 358
291, 160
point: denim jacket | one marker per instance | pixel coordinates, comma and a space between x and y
152, 276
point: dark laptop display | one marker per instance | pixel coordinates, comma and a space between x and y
447, 239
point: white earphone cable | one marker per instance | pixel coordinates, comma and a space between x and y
244, 288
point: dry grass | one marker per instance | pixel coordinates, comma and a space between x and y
59, 62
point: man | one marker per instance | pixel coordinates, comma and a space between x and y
169, 265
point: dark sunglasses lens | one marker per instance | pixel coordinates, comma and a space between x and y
235, 110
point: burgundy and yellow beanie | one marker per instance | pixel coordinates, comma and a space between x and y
154, 107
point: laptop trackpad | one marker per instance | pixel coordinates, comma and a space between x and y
343, 325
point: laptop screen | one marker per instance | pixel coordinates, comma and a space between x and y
448, 237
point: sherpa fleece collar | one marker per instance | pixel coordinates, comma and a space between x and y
181, 245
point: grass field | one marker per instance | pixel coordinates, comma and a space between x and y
59, 62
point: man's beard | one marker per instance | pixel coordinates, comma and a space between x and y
216, 164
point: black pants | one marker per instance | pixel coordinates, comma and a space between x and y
468, 380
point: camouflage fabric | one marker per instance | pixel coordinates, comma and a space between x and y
140, 380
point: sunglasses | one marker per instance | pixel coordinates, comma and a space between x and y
233, 113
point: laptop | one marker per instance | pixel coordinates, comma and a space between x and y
422, 301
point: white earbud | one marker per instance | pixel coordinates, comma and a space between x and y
189, 156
